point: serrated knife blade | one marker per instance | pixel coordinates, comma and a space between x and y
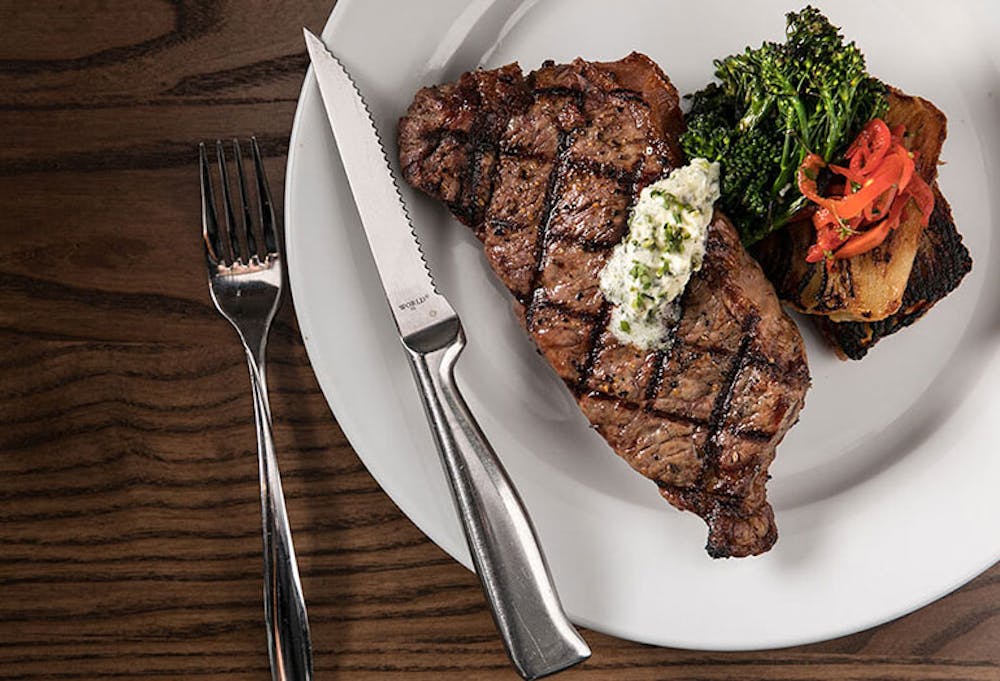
415, 301
503, 544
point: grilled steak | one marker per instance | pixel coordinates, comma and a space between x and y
544, 168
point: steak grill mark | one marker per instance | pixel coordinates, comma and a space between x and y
546, 217
724, 401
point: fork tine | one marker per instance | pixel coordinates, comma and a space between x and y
248, 222
264, 202
227, 200
209, 221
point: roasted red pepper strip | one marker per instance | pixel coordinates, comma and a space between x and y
856, 178
871, 145
888, 175
874, 236
922, 196
864, 242
880, 178
808, 172
831, 234
880, 207
909, 166
868, 240
816, 254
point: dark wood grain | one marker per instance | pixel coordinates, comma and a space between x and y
129, 517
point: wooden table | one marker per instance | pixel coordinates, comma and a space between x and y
129, 517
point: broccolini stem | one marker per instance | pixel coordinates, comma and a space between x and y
781, 180
835, 131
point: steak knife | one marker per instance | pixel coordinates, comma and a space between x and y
538, 637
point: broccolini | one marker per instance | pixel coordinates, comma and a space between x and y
774, 105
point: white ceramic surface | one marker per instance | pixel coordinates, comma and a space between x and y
885, 492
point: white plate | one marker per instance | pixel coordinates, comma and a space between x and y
885, 492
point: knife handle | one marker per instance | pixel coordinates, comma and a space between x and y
538, 637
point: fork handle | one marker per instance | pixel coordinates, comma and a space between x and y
538, 637
288, 641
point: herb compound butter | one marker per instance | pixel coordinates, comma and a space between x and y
665, 244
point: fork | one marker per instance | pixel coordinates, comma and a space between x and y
245, 280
